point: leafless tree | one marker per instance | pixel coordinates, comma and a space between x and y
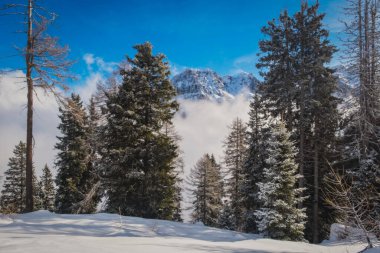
354, 207
46, 68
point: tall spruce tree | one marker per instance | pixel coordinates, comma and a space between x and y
310, 109
48, 190
73, 154
206, 188
234, 159
279, 217
137, 155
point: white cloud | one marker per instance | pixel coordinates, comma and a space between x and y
95, 63
245, 63
88, 87
13, 112
203, 127
13, 121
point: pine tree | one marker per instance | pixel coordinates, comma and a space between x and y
299, 88
234, 159
137, 155
37, 193
279, 217
226, 218
13, 193
48, 190
258, 133
207, 191
72, 158
90, 178
14, 190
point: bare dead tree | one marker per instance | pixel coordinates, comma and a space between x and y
361, 55
355, 207
46, 68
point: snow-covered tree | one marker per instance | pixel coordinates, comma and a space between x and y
279, 217
299, 88
137, 155
256, 155
206, 188
226, 217
234, 159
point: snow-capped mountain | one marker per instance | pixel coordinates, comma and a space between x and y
199, 84
206, 84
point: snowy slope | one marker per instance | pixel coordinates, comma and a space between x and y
199, 84
44, 232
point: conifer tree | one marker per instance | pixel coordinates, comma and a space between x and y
299, 87
91, 176
72, 158
37, 193
226, 218
137, 155
13, 193
207, 191
14, 189
258, 133
279, 217
234, 159
47, 186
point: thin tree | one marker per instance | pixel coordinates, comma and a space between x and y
205, 183
46, 68
234, 159
47, 185
362, 134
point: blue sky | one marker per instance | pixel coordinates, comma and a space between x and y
216, 34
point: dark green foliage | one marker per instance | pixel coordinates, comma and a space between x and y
13, 193
226, 218
73, 154
258, 133
234, 159
138, 156
37, 193
298, 88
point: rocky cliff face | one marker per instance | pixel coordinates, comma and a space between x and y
206, 84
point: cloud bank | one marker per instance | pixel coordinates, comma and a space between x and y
13, 121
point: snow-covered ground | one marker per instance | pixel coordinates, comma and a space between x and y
44, 232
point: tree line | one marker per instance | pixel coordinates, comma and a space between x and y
301, 163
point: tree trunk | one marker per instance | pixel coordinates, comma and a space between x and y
29, 127
316, 195
302, 142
